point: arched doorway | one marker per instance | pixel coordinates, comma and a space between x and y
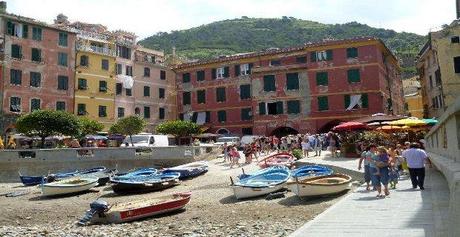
283, 131
222, 131
329, 125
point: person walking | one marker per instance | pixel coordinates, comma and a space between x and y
317, 145
416, 159
380, 171
366, 156
305, 147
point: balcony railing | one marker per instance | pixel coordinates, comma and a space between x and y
96, 49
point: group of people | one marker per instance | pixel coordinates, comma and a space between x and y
383, 167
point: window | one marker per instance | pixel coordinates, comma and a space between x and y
243, 69
161, 113
262, 108
63, 39
292, 81
25, 31
105, 64
221, 72
120, 112
275, 62
62, 59
363, 103
63, 82
16, 51
137, 111
201, 96
102, 111
123, 52
246, 131
200, 76
147, 91
119, 69
15, 77
161, 93
186, 77
146, 112
322, 79
129, 71
352, 52
81, 109
129, 92
84, 61
455, 40
36, 33
186, 98
102, 86
15, 104
293, 107
162, 75
269, 83
118, 88
35, 79
275, 108
457, 64
82, 84
246, 114
245, 92
221, 116
302, 59
60, 106
34, 104
220, 94
353, 76
323, 103
36, 55
146, 72
325, 55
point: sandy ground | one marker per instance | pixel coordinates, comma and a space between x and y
212, 211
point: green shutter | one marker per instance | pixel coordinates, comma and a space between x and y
214, 73
279, 107
200, 75
245, 92
25, 31
222, 116
220, 94
322, 79
323, 103
313, 56
292, 81
245, 114
226, 72
201, 97
269, 83
250, 67
186, 77
365, 101
146, 91
346, 101
186, 98
352, 53
262, 110
10, 28
237, 70
329, 54
353, 76
293, 107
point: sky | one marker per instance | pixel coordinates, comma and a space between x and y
147, 17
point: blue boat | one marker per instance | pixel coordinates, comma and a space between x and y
146, 183
262, 182
188, 170
93, 170
139, 173
32, 180
309, 171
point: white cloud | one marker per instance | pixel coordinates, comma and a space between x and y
146, 17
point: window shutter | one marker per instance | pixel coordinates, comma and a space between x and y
279, 107
365, 101
226, 72
323, 103
322, 79
329, 54
313, 56
262, 108
25, 31
250, 67
214, 73
208, 116
292, 81
269, 83
293, 107
194, 117
347, 101
237, 70
10, 28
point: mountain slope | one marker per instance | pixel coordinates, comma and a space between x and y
254, 34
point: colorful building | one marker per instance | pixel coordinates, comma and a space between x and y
413, 97
310, 88
94, 71
154, 88
37, 67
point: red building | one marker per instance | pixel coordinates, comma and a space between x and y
39, 67
310, 88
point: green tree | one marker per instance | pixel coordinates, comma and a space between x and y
44, 123
128, 126
89, 126
178, 128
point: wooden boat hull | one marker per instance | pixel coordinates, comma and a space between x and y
310, 171
261, 182
242, 192
310, 187
279, 159
190, 170
135, 212
63, 188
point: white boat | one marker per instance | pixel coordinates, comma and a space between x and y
261, 183
323, 185
68, 186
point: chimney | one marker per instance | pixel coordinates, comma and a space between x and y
458, 8
2, 7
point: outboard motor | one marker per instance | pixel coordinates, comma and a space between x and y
98, 206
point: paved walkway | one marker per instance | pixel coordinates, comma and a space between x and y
406, 212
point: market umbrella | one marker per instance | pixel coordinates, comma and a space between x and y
430, 122
411, 122
378, 118
348, 126
389, 128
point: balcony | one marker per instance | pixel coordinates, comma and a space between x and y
96, 49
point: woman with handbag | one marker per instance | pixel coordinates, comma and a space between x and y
380, 176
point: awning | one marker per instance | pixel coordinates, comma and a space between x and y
127, 81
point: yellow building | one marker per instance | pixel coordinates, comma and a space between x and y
413, 97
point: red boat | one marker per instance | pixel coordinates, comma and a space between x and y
101, 212
279, 159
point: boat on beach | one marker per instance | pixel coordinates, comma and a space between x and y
68, 186
32, 180
279, 159
138, 173
322, 185
188, 170
261, 183
154, 182
309, 171
103, 174
100, 172
102, 212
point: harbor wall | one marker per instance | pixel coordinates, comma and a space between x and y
44, 161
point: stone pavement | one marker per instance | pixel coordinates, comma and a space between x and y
406, 212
